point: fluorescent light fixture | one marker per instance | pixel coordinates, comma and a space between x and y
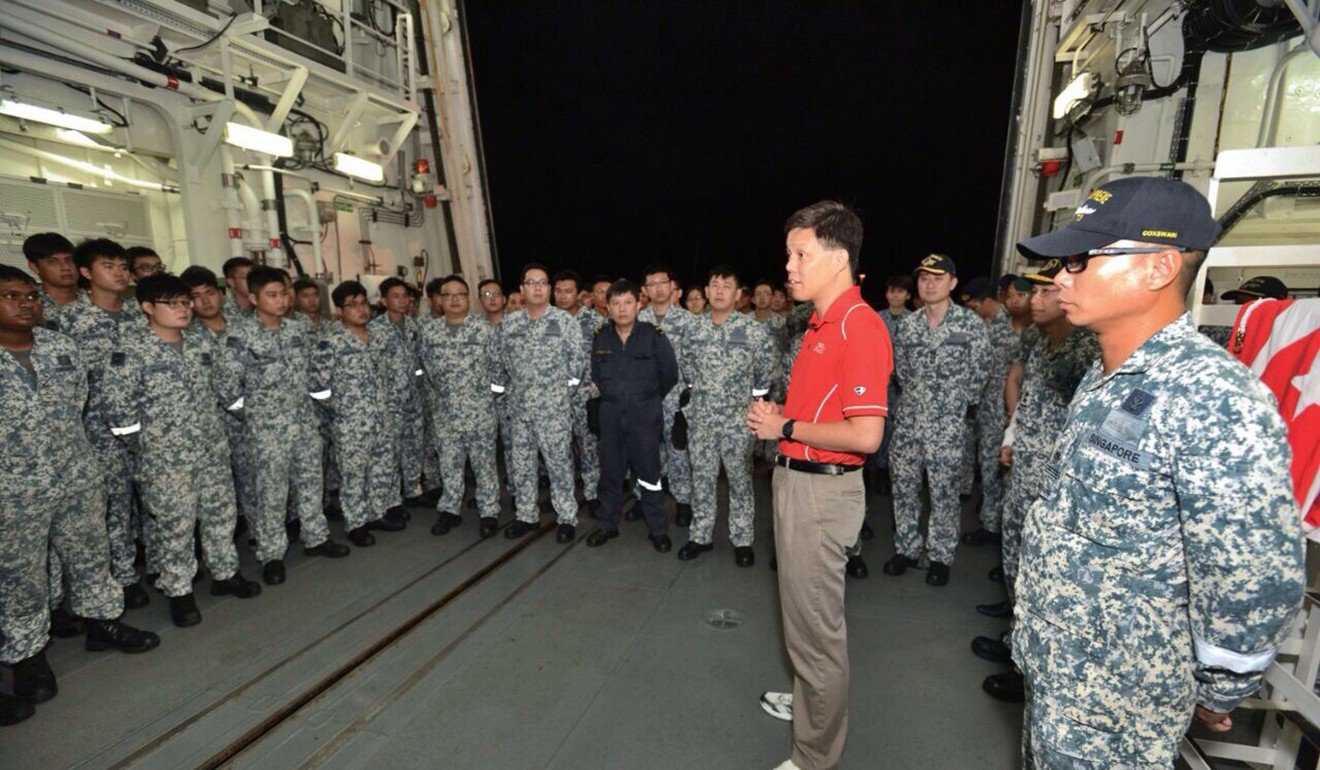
359, 167
24, 111
255, 139
78, 138
1078, 89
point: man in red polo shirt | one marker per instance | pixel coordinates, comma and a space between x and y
832, 419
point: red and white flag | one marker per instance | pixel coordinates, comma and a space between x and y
1279, 339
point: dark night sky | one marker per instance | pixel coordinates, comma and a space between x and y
618, 134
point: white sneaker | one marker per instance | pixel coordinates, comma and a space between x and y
788, 763
780, 706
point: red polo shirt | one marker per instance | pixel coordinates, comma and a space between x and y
842, 370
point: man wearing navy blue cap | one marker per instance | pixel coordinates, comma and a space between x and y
1163, 567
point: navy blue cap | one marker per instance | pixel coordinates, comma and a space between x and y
939, 264
1006, 280
1257, 287
1139, 208
978, 288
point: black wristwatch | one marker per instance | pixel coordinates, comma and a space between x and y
787, 430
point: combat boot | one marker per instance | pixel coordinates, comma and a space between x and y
33, 679
135, 596
184, 612
237, 586
65, 624
683, 515
105, 634
14, 710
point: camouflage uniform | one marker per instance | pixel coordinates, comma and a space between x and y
355, 372
588, 457
462, 363
51, 493
542, 363
231, 311
240, 454
97, 332
776, 327
403, 341
940, 373
987, 434
266, 374
165, 406
1163, 567
726, 365
504, 411
1049, 378
673, 461
891, 393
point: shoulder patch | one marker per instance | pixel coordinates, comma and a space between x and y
64, 359
118, 358
234, 343
1137, 402
323, 345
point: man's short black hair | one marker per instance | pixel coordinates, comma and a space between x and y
199, 276
305, 283
45, 244
486, 282
133, 252
655, 268
533, 266
391, 283
602, 278
232, 264
836, 226
569, 275
262, 275
723, 271
903, 282
455, 278
759, 282
345, 290
9, 273
86, 253
159, 287
623, 286
433, 286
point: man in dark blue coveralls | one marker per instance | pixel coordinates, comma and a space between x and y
632, 368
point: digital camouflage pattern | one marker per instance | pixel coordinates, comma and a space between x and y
941, 373
675, 463
726, 365
1049, 379
588, 456
987, 434
166, 409
404, 377
361, 425
462, 363
52, 497
97, 332
1164, 565
240, 453
776, 327
542, 362
267, 379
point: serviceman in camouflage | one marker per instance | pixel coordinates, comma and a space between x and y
349, 362
238, 299
403, 338
95, 321
940, 356
494, 306
728, 360
267, 362
160, 399
50, 256
1164, 566
658, 286
51, 493
567, 286
462, 363
987, 434
1053, 359
776, 326
542, 363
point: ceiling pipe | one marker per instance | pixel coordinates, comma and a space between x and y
89, 168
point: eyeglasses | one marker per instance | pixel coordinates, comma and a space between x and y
355, 303
1044, 291
20, 296
452, 294
488, 293
535, 284
149, 269
650, 284
175, 303
1076, 263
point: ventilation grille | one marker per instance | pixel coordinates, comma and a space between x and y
28, 207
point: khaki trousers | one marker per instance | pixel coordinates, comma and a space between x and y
816, 519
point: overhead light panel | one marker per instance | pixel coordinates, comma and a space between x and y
78, 138
360, 168
24, 111
255, 139
1077, 90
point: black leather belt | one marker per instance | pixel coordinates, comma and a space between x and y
807, 466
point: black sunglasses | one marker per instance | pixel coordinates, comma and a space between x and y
1076, 263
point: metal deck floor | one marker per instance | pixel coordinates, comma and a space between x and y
554, 657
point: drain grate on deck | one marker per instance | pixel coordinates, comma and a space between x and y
724, 620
